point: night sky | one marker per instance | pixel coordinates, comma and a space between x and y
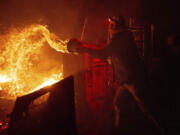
64, 15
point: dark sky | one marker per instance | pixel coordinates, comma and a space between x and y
63, 15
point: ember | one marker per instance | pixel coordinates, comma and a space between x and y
25, 65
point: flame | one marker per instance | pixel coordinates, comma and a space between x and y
27, 61
49, 82
4, 78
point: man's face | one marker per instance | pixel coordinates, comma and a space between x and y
111, 25
112, 28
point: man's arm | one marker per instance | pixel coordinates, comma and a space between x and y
103, 53
97, 53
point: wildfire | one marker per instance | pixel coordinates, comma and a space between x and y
27, 60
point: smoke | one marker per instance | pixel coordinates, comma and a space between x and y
61, 17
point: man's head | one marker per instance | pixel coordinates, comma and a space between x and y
116, 24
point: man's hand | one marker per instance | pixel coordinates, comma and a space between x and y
73, 44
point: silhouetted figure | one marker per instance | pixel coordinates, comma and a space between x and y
129, 77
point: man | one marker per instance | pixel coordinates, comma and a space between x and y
122, 53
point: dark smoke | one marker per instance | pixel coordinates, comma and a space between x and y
63, 17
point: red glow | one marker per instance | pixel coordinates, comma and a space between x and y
97, 75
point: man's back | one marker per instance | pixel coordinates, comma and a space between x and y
124, 56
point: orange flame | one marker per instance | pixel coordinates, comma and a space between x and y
27, 60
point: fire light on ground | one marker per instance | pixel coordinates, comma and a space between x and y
26, 64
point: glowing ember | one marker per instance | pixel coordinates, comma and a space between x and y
27, 60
